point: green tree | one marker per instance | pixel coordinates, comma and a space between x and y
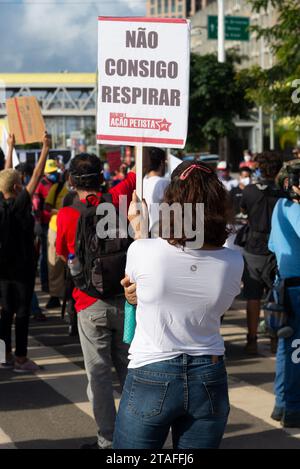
216, 98
273, 88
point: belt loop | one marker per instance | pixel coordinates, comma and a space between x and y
215, 359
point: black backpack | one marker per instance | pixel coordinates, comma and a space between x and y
103, 261
5, 222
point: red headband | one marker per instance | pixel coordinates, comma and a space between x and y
188, 170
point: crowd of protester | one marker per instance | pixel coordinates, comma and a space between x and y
173, 375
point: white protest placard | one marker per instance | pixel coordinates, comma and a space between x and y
4, 146
143, 89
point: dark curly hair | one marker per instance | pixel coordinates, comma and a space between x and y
154, 159
269, 163
86, 172
200, 186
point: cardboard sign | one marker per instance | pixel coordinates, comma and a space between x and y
143, 92
25, 119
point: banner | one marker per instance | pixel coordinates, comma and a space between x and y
143, 89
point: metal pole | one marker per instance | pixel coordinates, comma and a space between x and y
272, 136
139, 171
260, 109
272, 129
261, 130
221, 31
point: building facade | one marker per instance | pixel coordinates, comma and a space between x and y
174, 8
254, 51
68, 101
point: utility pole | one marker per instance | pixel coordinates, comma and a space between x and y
223, 142
272, 129
221, 31
260, 109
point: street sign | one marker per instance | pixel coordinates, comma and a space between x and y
236, 28
212, 27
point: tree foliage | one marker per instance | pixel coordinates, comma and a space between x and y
216, 98
273, 88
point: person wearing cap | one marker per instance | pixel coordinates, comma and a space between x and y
224, 176
285, 243
56, 267
42, 216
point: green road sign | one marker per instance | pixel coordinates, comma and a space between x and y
236, 28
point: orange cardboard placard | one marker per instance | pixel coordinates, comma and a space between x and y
25, 119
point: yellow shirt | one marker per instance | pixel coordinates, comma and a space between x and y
55, 205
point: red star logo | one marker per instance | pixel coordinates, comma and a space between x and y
164, 125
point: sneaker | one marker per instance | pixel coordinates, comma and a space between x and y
291, 420
39, 317
251, 346
53, 303
277, 414
27, 367
9, 363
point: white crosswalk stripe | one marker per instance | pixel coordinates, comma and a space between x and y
5, 441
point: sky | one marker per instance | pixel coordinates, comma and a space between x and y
55, 35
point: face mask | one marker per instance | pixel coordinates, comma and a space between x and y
247, 158
245, 181
52, 177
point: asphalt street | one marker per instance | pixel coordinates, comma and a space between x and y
50, 409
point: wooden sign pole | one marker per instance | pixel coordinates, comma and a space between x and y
139, 171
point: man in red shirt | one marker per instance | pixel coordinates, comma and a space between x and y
100, 323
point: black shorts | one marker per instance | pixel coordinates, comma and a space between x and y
254, 282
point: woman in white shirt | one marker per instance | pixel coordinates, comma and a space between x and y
177, 378
154, 184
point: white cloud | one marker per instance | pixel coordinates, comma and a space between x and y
55, 36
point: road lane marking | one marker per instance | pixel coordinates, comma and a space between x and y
64, 369
256, 402
5, 441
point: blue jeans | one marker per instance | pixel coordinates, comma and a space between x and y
287, 381
187, 394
